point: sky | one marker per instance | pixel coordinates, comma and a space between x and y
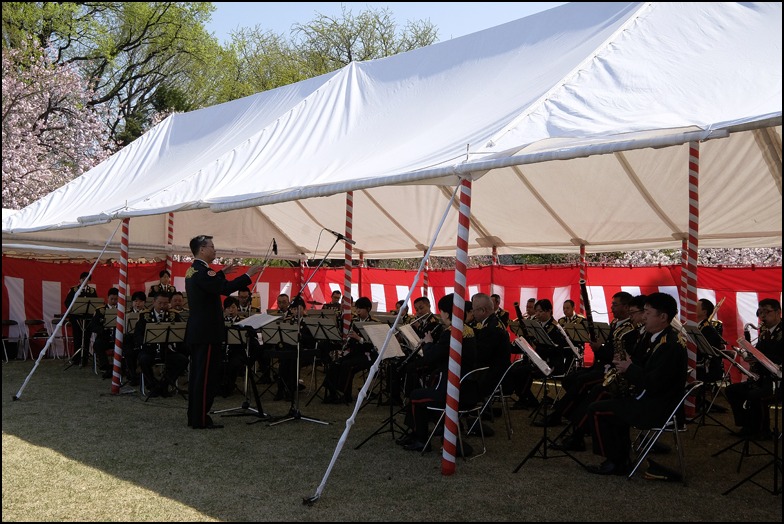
452, 19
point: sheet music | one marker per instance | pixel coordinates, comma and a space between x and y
412, 339
257, 321
761, 358
533, 355
377, 333
699, 340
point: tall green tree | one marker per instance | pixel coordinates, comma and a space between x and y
127, 51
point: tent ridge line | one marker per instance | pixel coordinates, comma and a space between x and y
527, 183
468, 168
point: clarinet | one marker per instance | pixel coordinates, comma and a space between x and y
588, 313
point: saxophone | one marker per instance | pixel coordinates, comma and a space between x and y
612, 379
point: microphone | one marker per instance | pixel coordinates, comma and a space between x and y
341, 237
274, 246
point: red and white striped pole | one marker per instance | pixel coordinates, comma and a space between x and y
495, 256
425, 278
347, 267
582, 274
691, 264
303, 264
169, 244
456, 341
120, 325
684, 270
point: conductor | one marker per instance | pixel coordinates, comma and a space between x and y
204, 333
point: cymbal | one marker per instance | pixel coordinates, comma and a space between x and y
315, 303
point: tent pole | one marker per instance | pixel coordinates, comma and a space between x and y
456, 341
169, 243
119, 329
582, 274
374, 368
64, 318
691, 262
347, 301
426, 274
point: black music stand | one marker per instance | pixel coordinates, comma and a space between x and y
235, 335
602, 330
279, 333
544, 440
83, 309
163, 334
377, 333
294, 412
775, 461
536, 333
324, 329
704, 347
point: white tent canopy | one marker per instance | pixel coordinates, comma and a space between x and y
574, 124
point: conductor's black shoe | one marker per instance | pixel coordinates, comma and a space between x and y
416, 445
608, 467
570, 443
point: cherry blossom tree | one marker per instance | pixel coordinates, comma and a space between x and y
50, 134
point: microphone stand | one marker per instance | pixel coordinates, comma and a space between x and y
294, 412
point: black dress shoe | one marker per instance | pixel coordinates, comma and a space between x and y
608, 467
416, 445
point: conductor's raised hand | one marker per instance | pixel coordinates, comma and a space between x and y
252, 270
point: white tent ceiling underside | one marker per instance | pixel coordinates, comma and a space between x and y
574, 124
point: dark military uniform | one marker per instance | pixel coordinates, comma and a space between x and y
359, 356
749, 400
104, 339
204, 335
660, 382
493, 350
77, 320
173, 356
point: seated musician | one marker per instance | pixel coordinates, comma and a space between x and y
436, 356
130, 347
287, 368
529, 309
501, 313
578, 383
178, 303
570, 317
358, 354
164, 284
405, 318
709, 368
661, 380
173, 355
587, 386
493, 348
413, 373
558, 357
749, 400
104, 336
77, 320
334, 301
245, 306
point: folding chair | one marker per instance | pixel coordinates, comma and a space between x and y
7, 338
498, 395
462, 413
648, 437
36, 331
